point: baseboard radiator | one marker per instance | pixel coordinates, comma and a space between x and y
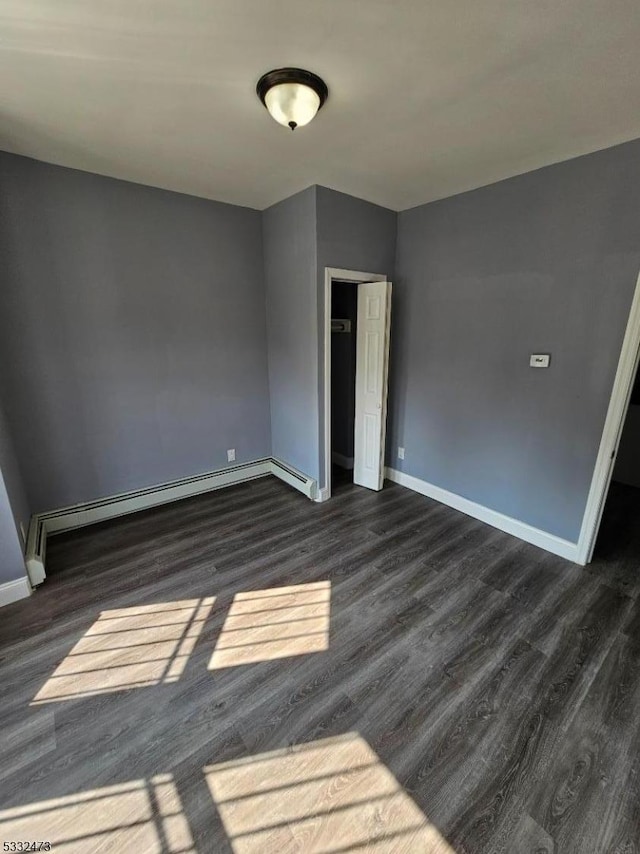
77, 516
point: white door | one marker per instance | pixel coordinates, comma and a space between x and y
372, 364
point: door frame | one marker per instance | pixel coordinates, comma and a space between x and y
331, 275
612, 432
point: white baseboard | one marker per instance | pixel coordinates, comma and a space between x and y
341, 460
321, 495
79, 515
525, 532
12, 591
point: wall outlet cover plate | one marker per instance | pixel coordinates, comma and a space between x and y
539, 360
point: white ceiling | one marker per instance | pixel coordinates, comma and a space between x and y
426, 97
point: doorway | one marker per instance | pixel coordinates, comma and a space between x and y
344, 326
620, 412
355, 389
619, 532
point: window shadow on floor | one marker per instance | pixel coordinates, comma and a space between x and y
332, 795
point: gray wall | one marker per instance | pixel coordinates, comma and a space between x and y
545, 262
11, 473
344, 305
11, 559
302, 235
289, 239
132, 332
14, 507
352, 235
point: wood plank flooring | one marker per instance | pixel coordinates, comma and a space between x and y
249, 672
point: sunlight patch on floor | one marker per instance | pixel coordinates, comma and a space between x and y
129, 648
276, 623
332, 795
137, 816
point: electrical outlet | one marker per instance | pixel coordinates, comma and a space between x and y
400, 453
231, 455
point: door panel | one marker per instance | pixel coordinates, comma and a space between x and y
372, 359
374, 314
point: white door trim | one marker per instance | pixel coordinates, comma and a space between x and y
616, 414
334, 274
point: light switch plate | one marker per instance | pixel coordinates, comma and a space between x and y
539, 360
231, 455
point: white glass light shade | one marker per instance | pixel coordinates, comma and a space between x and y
292, 102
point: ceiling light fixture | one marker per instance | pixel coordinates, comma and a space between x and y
292, 95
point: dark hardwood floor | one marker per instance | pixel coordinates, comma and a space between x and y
248, 671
